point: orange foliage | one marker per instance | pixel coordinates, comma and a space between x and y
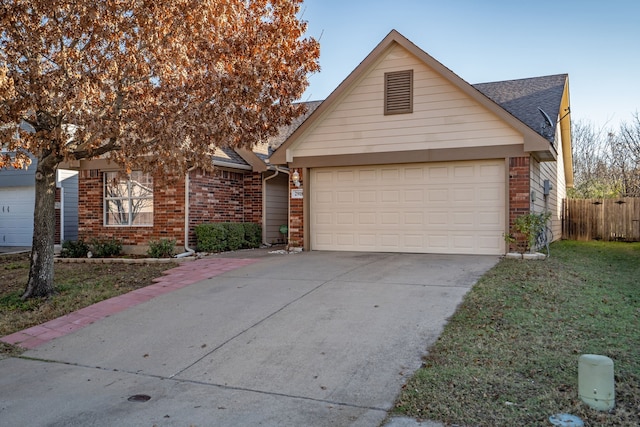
150, 84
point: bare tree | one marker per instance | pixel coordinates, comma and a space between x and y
592, 163
628, 145
149, 84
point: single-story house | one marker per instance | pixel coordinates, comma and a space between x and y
406, 156
17, 202
244, 187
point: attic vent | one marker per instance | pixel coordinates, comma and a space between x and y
398, 92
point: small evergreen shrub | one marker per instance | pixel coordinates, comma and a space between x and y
104, 248
74, 249
211, 237
235, 235
227, 236
252, 234
162, 248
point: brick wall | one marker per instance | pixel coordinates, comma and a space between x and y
223, 196
219, 196
168, 206
296, 218
519, 188
253, 198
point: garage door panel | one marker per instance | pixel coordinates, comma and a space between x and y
414, 196
323, 177
391, 176
414, 241
389, 241
464, 195
414, 174
367, 240
464, 219
414, 218
438, 195
438, 174
428, 207
345, 218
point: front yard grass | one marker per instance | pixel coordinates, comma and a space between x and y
77, 285
509, 355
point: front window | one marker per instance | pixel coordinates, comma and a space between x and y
128, 200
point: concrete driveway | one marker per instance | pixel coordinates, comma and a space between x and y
307, 339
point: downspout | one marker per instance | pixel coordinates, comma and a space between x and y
264, 202
61, 214
188, 250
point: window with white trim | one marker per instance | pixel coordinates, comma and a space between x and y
128, 200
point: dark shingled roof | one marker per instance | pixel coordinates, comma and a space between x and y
228, 155
522, 98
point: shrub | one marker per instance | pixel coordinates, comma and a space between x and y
104, 248
211, 237
162, 248
252, 234
227, 236
528, 226
235, 235
74, 249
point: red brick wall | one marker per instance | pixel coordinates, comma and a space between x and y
253, 198
168, 206
223, 196
219, 196
296, 218
519, 188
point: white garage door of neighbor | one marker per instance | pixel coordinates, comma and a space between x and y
16, 216
453, 208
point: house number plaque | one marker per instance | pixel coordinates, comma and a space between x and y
296, 193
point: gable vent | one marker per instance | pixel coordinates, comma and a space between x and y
398, 92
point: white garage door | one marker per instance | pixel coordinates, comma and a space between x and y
456, 208
16, 216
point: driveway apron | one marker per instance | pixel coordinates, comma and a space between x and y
313, 339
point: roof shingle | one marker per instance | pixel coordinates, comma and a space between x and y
523, 97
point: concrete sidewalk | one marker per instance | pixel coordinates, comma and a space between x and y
313, 339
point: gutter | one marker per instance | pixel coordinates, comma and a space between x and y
188, 250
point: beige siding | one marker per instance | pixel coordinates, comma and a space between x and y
443, 117
276, 208
554, 172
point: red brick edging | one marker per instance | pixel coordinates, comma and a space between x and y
173, 279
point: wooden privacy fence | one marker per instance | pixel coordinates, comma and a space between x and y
602, 219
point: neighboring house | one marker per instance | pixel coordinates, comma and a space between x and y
405, 156
243, 187
17, 202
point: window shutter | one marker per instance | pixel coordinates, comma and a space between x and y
398, 92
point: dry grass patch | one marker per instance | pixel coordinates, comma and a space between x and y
76, 286
509, 356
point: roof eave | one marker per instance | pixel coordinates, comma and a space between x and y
255, 162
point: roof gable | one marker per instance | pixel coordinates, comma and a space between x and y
533, 141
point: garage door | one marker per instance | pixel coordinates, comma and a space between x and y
456, 208
16, 216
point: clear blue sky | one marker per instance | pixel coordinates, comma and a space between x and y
596, 42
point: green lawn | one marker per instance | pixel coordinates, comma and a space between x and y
509, 356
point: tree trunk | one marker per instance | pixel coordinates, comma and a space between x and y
40, 282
